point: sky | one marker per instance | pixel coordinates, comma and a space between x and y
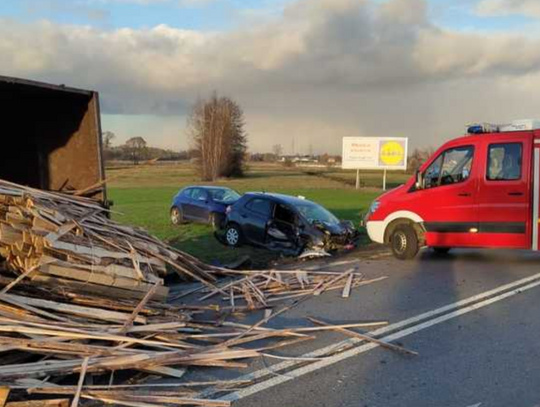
306, 72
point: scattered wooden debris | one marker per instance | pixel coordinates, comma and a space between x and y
261, 289
82, 300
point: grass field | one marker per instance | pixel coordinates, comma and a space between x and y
142, 196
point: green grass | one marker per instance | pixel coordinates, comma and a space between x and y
142, 197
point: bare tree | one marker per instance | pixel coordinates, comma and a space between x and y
216, 127
277, 150
108, 137
136, 147
419, 157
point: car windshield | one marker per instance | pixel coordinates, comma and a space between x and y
224, 195
314, 213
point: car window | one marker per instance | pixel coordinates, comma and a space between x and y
188, 192
260, 206
199, 194
314, 213
284, 214
451, 167
224, 195
504, 162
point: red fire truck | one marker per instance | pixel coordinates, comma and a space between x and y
480, 191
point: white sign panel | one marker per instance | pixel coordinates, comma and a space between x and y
375, 153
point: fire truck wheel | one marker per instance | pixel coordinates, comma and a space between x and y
404, 242
441, 250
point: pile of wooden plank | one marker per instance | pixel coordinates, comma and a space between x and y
68, 243
83, 316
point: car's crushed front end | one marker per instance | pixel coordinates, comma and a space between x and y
324, 238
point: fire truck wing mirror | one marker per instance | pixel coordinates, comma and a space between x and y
419, 180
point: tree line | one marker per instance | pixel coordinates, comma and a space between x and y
137, 151
219, 143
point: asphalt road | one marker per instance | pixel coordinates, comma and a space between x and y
478, 338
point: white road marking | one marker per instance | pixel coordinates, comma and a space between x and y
433, 317
476, 405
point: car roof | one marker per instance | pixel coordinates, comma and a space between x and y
206, 187
282, 198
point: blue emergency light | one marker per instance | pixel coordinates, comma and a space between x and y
483, 128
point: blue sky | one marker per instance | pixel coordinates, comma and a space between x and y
212, 15
184, 14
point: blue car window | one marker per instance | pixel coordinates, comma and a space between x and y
260, 206
199, 194
188, 192
224, 195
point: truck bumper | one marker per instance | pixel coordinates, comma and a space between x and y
375, 230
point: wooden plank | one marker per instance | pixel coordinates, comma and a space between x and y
165, 371
328, 284
39, 403
133, 317
75, 401
347, 289
17, 280
142, 400
4, 394
364, 337
90, 276
73, 286
87, 312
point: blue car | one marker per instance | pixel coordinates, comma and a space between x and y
202, 204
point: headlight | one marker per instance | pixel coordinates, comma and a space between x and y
374, 206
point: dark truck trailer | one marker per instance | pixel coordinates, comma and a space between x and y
51, 137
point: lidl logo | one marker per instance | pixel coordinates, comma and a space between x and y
391, 153
374, 153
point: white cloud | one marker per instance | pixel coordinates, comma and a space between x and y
323, 70
493, 8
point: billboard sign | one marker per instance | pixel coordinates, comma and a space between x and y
375, 153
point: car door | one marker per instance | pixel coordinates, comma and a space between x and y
448, 200
504, 196
200, 204
188, 206
255, 216
283, 224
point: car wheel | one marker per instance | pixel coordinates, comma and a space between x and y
404, 242
441, 250
177, 216
233, 235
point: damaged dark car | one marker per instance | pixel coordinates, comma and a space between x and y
292, 225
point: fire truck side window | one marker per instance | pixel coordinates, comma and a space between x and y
504, 162
431, 177
452, 166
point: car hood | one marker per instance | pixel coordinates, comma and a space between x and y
390, 195
341, 228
